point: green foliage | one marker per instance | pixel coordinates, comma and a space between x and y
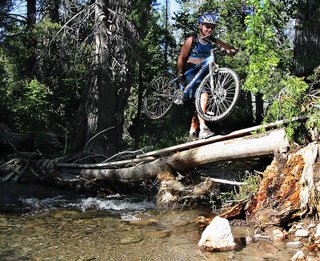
312, 104
294, 101
31, 107
46, 100
262, 50
244, 192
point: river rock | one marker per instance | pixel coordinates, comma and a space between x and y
317, 231
302, 233
294, 244
312, 225
217, 236
143, 222
298, 256
277, 235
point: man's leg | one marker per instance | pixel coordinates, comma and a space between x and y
194, 124
204, 130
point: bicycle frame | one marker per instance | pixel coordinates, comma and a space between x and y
208, 63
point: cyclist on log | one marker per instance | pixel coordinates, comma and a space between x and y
194, 50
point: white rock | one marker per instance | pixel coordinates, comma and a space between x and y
294, 244
217, 236
277, 235
302, 233
299, 226
298, 256
258, 237
317, 231
249, 239
312, 225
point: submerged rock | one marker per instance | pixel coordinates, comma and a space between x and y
294, 244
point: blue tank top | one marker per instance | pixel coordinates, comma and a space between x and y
200, 50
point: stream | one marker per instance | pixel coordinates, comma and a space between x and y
43, 223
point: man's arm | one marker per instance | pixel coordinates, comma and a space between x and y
227, 47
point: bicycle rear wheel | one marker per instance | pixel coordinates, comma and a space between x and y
158, 98
223, 93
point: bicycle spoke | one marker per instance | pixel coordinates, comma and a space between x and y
158, 98
221, 97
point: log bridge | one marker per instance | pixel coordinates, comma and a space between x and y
241, 144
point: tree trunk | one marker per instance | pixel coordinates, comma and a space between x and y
259, 108
288, 190
144, 10
31, 42
52, 10
107, 96
137, 120
307, 38
31, 13
225, 150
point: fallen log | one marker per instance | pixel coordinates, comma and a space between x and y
216, 138
106, 165
239, 148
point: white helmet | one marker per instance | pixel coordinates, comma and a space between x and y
208, 19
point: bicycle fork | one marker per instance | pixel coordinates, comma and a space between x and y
213, 68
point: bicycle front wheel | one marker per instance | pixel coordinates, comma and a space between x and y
158, 98
219, 93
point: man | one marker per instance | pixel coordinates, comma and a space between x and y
193, 52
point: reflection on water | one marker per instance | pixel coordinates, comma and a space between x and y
65, 226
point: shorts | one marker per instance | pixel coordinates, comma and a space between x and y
190, 76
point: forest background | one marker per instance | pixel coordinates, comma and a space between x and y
79, 68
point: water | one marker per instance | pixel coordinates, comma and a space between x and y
42, 223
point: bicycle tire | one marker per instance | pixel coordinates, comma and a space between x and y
222, 96
158, 97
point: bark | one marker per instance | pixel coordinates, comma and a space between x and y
107, 96
142, 30
31, 13
235, 134
31, 42
307, 38
52, 10
259, 109
239, 148
104, 87
288, 190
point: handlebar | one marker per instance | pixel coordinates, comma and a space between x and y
231, 52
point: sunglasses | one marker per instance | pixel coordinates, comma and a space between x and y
209, 26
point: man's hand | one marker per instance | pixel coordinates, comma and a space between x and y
181, 78
232, 51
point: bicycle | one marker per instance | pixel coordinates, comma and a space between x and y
221, 84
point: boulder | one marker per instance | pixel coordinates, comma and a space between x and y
217, 236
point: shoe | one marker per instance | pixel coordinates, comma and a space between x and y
205, 133
192, 137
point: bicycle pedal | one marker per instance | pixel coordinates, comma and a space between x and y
178, 102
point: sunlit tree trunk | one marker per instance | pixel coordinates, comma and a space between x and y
307, 37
